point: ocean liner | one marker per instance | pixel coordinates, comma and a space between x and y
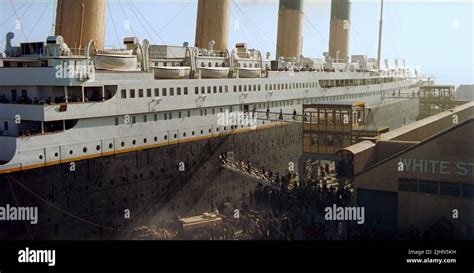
88, 133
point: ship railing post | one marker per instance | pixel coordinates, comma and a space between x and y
103, 93
66, 94
82, 93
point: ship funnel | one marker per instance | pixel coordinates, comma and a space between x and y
339, 30
290, 29
212, 23
80, 21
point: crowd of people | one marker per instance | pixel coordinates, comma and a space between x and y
49, 101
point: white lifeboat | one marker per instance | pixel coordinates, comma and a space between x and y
116, 60
171, 72
248, 72
214, 72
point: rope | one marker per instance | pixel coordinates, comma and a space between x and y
113, 24
39, 18
62, 210
16, 202
18, 18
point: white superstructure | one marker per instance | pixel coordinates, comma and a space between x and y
56, 107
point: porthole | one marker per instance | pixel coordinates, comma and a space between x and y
192, 133
145, 140
71, 152
122, 144
175, 135
134, 142
56, 154
111, 146
41, 157
202, 132
210, 130
97, 147
184, 134
166, 137
155, 139
84, 150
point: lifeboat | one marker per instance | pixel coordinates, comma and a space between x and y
171, 72
214, 72
248, 72
116, 60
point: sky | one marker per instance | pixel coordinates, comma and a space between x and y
437, 36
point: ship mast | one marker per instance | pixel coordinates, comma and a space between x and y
380, 36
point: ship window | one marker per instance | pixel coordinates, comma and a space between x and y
203, 65
192, 133
148, 92
14, 95
223, 64
145, 140
163, 92
116, 121
254, 87
134, 142
213, 111
157, 92
181, 64
201, 112
217, 64
240, 88
467, 191
175, 135
144, 118
134, 119
178, 91
132, 93
166, 116
245, 64
140, 93
215, 89
274, 86
5, 125
171, 91
189, 114
71, 152
122, 144
428, 186
185, 90
155, 139
179, 114
235, 88
202, 132
165, 64
209, 90
171, 115
205, 112
450, 188
203, 89
226, 89
250, 65
124, 94
196, 90
220, 89
209, 64
245, 88
111, 146
155, 117
210, 130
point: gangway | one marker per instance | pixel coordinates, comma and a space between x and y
256, 174
276, 116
